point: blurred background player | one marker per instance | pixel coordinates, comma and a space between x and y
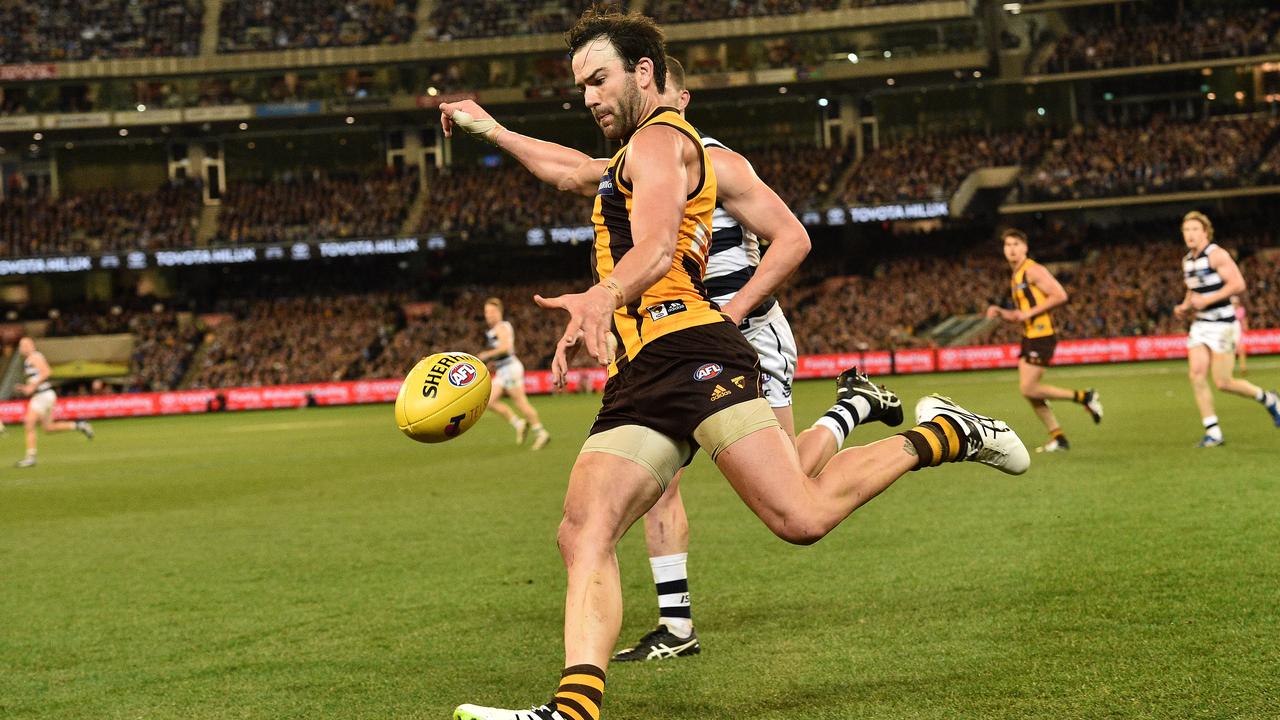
736, 277
508, 376
1036, 292
43, 400
1212, 278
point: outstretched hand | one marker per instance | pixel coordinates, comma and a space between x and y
471, 118
590, 322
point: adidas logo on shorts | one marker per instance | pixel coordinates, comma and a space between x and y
719, 393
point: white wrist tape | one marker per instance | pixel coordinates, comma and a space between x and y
479, 128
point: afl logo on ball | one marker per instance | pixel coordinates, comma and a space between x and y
708, 371
462, 375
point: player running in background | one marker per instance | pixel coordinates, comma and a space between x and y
738, 281
508, 376
683, 376
43, 400
1036, 293
1212, 277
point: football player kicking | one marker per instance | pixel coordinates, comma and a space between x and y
683, 373
738, 279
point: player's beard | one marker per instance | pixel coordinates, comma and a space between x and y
626, 117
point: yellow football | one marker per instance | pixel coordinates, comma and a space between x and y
442, 397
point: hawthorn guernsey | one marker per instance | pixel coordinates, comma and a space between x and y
442, 397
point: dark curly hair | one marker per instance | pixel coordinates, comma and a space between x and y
633, 35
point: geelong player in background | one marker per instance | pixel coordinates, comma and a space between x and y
508, 376
1036, 292
43, 400
1212, 277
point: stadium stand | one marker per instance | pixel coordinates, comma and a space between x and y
1163, 156
98, 221
1143, 39
68, 30
310, 203
931, 168
245, 25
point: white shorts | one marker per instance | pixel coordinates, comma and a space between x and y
770, 334
1220, 337
43, 402
509, 374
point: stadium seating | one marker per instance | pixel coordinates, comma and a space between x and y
1192, 35
285, 24
1162, 156
99, 221
310, 204
68, 30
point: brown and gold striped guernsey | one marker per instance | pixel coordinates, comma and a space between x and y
679, 300
1027, 296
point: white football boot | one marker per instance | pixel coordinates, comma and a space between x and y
989, 441
475, 712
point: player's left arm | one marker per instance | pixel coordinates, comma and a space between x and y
759, 209
1054, 294
1232, 281
659, 180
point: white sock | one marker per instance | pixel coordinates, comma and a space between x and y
844, 416
1261, 396
671, 578
1211, 427
516, 421
536, 428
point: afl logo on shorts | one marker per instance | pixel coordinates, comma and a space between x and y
462, 375
708, 371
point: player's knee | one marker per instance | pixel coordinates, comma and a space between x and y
1222, 383
1028, 390
577, 537
799, 530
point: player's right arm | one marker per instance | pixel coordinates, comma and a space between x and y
561, 167
759, 209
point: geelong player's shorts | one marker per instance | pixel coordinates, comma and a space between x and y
1038, 351
681, 379
1220, 337
509, 374
43, 402
770, 335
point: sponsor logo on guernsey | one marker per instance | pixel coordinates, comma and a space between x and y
663, 309
708, 371
606, 185
463, 374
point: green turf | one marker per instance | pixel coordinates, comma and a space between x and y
317, 564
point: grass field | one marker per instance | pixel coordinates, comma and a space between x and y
317, 564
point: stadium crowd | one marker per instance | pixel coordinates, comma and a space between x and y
99, 221
1123, 281
1162, 156
932, 167
482, 202
311, 204
1193, 34
283, 24
289, 340
69, 30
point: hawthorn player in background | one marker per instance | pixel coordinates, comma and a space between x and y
43, 400
1212, 277
1036, 292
